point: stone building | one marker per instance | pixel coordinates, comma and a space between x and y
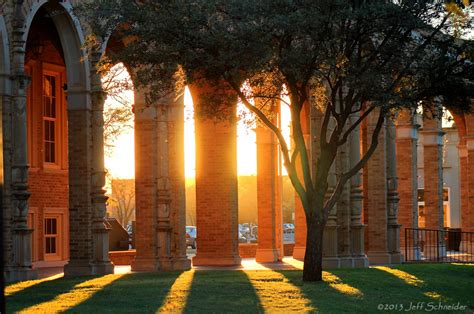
54, 200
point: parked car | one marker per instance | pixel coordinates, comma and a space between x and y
191, 233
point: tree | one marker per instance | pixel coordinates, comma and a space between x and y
346, 58
118, 114
122, 200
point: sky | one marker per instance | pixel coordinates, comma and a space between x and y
121, 162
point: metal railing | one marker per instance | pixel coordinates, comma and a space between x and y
439, 246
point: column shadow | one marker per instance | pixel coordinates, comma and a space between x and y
42, 292
223, 292
136, 292
375, 287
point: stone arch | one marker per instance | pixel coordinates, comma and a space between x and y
88, 237
72, 40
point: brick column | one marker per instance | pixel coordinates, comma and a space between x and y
145, 157
270, 242
376, 191
407, 172
393, 227
80, 201
467, 210
100, 232
466, 224
216, 179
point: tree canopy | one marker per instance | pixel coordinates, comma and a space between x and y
346, 58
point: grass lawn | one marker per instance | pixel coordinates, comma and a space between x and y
404, 288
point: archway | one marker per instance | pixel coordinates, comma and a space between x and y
64, 137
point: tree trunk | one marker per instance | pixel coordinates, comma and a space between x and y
313, 258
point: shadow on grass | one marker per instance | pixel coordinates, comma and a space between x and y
380, 287
455, 283
223, 292
41, 292
142, 292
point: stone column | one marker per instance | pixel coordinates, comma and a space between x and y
21, 264
433, 179
376, 191
330, 247
100, 232
270, 232
393, 227
407, 172
162, 209
176, 174
356, 200
159, 185
216, 178
343, 213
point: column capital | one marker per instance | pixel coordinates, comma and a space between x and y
432, 137
407, 131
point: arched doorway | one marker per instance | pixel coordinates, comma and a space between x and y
63, 139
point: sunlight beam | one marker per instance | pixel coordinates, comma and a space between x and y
410, 279
277, 294
22, 285
177, 297
80, 293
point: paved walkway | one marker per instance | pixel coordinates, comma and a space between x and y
288, 263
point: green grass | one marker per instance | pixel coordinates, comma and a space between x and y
343, 291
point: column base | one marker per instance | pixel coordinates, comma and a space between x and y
378, 258
299, 252
361, 261
331, 262
202, 260
13, 274
346, 262
181, 263
78, 268
160, 264
267, 255
144, 264
396, 258
103, 268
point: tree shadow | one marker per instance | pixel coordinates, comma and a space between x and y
42, 292
142, 292
215, 289
376, 288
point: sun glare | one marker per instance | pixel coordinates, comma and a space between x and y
120, 162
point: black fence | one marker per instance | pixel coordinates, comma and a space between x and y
439, 246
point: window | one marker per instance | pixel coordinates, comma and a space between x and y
51, 235
49, 117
